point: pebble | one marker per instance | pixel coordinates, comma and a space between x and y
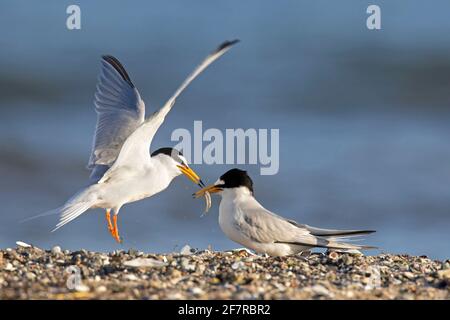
56, 250
82, 288
333, 255
9, 267
23, 244
101, 289
144, 263
197, 291
37, 274
131, 277
409, 275
30, 276
444, 274
186, 265
320, 290
348, 259
238, 265
187, 250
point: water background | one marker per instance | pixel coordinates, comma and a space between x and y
363, 115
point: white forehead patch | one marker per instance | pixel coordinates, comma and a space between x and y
218, 182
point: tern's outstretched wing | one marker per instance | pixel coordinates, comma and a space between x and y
120, 110
135, 150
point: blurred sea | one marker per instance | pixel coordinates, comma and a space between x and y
363, 115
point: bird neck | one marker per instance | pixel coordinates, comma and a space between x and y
237, 194
165, 166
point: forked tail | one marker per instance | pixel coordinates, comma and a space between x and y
77, 205
72, 210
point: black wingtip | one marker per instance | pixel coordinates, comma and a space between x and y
115, 63
227, 44
355, 232
370, 231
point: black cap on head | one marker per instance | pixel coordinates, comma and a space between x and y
171, 152
235, 178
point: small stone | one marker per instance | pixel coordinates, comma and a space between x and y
197, 291
56, 250
101, 289
444, 274
409, 275
320, 290
348, 259
186, 265
23, 244
9, 267
333, 255
132, 252
237, 265
131, 277
30, 276
82, 288
187, 250
144, 263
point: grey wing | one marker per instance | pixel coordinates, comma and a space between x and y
136, 148
336, 233
120, 110
263, 226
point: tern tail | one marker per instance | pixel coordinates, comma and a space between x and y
44, 214
74, 207
71, 211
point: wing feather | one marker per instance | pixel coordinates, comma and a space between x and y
262, 225
135, 150
120, 110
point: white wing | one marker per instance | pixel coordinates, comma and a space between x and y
120, 110
135, 150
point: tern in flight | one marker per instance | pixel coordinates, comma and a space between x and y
245, 221
123, 170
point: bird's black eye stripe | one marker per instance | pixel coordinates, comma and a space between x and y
171, 152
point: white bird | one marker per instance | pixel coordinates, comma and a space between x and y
244, 220
123, 170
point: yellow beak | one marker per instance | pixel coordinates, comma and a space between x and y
211, 189
188, 172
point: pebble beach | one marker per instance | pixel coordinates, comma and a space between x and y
28, 272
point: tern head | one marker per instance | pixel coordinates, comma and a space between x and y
177, 163
234, 178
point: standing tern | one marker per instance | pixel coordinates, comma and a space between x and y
123, 170
244, 220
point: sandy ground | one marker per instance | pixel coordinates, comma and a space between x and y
28, 272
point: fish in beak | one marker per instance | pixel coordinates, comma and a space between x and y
188, 172
213, 188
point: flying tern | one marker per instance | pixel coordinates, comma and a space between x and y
244, 220
123, 170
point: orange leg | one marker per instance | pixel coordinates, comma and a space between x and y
108, 219
116, 229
